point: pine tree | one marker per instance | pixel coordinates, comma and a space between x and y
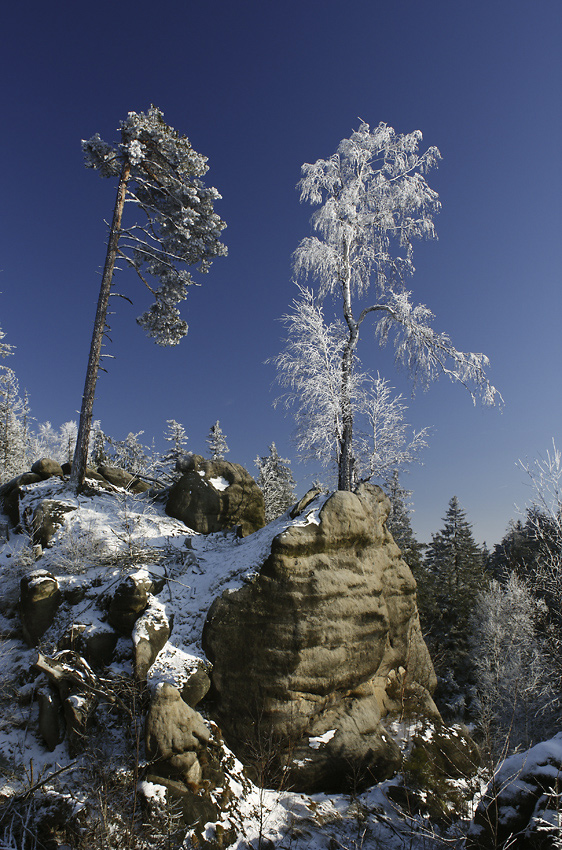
276, 482
98, 441
159, 174
217, 442
177, 438
13, 427
452, 575
399, 523
130, 454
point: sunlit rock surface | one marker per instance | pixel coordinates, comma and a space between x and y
314, 654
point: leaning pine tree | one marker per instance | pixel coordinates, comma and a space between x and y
158, 173
373, 201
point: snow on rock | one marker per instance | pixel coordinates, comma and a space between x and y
318, 740
219, 483
521, 803
107, 537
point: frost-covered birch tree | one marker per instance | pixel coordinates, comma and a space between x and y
14, 420
159, 175
311, 367
518, 691
373, 202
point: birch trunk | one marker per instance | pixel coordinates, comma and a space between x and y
346, 462
83, 438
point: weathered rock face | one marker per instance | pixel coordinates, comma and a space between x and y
40, 598
321, 647
215, 495
46, 467
120, 478
48, 516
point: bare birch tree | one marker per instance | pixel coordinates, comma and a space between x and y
158, 173
373, 201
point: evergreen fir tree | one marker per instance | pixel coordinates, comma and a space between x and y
130, 454
217, 442
13, 427
399, 523
177, 438
453, 575
276, 482
98, 441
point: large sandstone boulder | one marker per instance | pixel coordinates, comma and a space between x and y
172, 727
40, 598
46, 467
129, 601
150, 634
314, 657
11, 492
48, 516
215, 495
121, 478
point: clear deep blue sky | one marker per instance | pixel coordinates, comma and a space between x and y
260, 88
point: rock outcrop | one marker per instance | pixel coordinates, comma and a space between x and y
314, 657
46, 467
48, 516
521, 806
11, 492
216, 495
150, 635
108, 477
120, 478
40, 598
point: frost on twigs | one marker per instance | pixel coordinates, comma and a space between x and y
373, 201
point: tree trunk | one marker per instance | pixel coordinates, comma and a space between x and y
83, 438
346, 462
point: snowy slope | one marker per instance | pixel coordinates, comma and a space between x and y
106, 537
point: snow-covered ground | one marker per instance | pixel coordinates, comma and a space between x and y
107, 537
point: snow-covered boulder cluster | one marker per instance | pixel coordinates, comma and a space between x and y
319, 671
47, 516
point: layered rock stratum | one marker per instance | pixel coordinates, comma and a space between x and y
316, 656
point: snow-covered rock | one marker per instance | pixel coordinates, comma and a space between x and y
521, 808
216, 495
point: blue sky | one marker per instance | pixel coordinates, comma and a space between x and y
260, 88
